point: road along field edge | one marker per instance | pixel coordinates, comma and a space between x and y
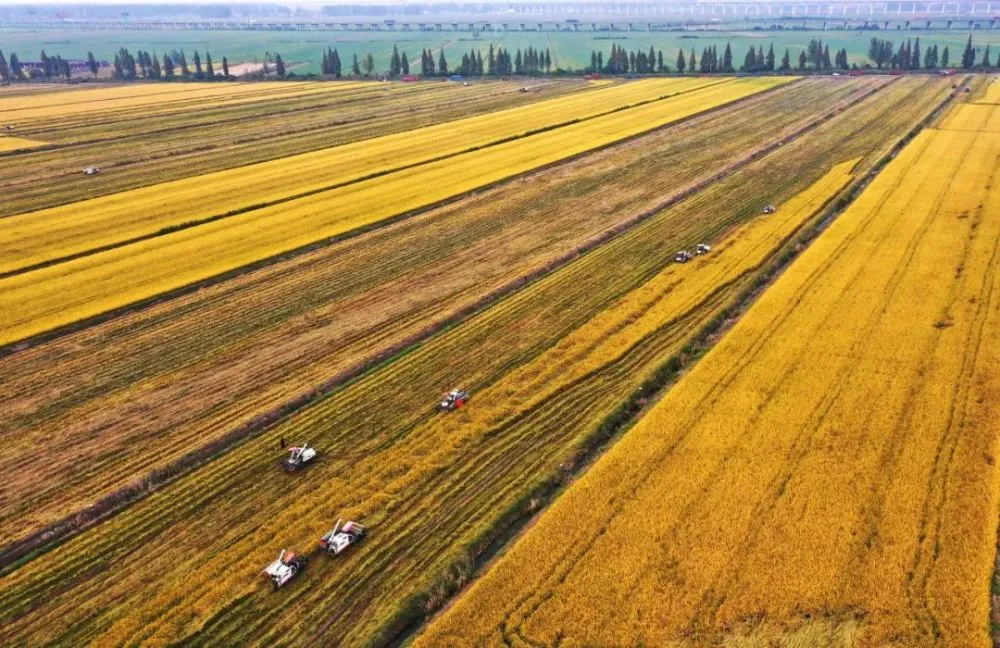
15, 345
523, 515
22, 551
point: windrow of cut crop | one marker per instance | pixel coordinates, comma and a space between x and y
231, 357
430, 493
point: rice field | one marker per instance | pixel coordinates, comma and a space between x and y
185, 372
8, 144
545, 285
36, 301
825, 475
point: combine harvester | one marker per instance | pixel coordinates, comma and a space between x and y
284, 568
453, 400
298, 457
341, 537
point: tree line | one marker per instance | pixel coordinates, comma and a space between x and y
498, 62
129, 67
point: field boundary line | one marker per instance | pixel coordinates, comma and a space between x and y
21, 551
33, 340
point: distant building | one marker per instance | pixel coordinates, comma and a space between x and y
76, 65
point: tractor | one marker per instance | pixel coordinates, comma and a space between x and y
298, 457
341, 537
703, 248
453, 400
284, 568
682, 256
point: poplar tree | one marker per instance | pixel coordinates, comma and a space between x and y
769, 59
209, 70
198, 72
168, 67
154, 66
404, 64
969, 55
681, 63
225, 67
16, 71
442, 64
4, 69
355, 68
185, 72
944, 57
395, 65
986, 58
91, 63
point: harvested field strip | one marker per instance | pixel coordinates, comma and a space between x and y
156, 150
37, 237
388, 460
154, 96
17, 144
184, 373
854, 410
35, 302
78, 125
111, 124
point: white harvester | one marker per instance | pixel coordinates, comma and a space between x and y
341, 537
298, 456
284, 568
770, 209
91, 170
683, 256
703, 248
453, 400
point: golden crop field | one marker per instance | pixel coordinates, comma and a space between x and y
548, 365
37, 237
17, 143
54, 296
159, 148
826, 475
330, 311
85, 103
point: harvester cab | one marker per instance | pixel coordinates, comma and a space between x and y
298, 457
703, 248
682, 256
284, 568
770, 209
453, 400
341, 537
91, 170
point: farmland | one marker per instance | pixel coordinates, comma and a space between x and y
574, 337
328, 311
826, 474
34, 302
